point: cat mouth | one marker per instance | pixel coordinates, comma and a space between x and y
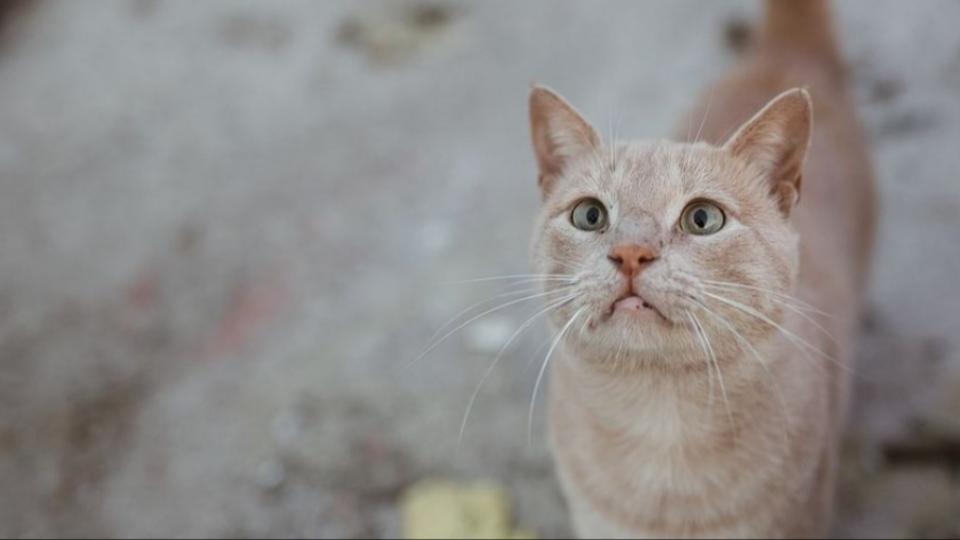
634, 304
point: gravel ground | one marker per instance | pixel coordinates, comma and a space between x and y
226, 229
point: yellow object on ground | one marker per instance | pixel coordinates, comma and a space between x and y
441, 509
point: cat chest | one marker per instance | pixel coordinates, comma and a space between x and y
665, 485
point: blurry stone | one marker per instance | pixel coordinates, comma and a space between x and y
270, 474
382, 470
430, 15
487, 335
737, 34
909, 502
441, 509
886, 89
904, 121
386, 521
247, 32
940, 414
435, 236
287, 428
395, 35
854, 470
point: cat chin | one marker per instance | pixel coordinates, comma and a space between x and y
635, 324
637, 357
642, 335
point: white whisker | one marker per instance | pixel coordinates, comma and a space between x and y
786, 297
493, 365
532, 361
543, 369
543, 282
716, 364
793, 338
787, 305
532, 277
456, 317
706, 359
744, 342
610, 136
706, 114
568, 266
437, 342
616, 357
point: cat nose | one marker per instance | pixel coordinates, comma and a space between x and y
631, 259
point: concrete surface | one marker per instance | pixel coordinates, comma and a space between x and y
227, 227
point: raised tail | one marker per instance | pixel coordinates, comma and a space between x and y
800, 28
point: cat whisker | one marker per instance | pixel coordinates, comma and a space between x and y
532, 277
437, 342
756, 314
716, 364
610, 139
576, 269
543, 282
786, 297
551, 306
614, 140
706, 359
543, 369
583, 327
616, 357
793, 338
456, 317
706, 114
770, 294
746, 343
688, 154
798, 311
532, 361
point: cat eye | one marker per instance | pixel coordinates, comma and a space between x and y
702, 218
589, 215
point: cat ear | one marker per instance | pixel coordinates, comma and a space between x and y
776, 140
559, 133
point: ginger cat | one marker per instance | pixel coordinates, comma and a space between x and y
695, 390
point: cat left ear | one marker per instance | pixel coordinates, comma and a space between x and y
776, 140
559, 134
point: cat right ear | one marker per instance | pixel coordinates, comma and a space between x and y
559, 134
776, 140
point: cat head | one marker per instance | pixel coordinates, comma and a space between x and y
659, 250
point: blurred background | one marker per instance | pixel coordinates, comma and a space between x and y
227, 228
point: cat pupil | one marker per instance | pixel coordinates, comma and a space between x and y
593, 215
700, 218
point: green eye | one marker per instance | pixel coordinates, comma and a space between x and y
589, 215
702, 218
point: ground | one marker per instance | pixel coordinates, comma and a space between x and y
227, 228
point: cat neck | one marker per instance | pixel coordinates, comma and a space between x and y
643, 396
645, 450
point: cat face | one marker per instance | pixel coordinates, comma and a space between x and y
669, 248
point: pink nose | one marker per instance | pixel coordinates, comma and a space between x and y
631, 259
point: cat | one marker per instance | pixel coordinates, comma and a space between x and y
706, 297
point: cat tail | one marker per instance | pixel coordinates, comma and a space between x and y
800, 28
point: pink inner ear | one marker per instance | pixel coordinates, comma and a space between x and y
787, 195
559, 133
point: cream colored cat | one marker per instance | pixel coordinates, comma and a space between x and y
695, 392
